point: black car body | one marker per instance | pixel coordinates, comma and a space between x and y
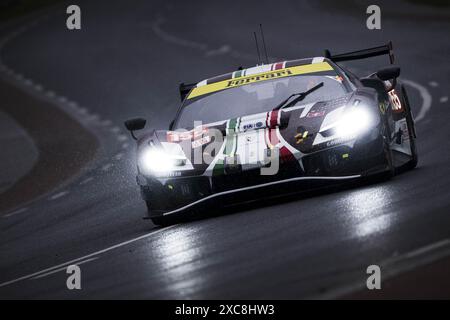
250, 144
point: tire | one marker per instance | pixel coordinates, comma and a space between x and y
390, 172
162, 221
411, 131
389, 159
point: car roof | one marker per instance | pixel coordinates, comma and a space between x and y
262, 68
261, 73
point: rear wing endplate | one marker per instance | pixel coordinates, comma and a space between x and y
363, 54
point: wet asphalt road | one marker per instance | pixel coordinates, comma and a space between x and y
128, 61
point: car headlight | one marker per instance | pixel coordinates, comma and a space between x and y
158, 161
354, 122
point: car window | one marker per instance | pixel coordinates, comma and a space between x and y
256, 98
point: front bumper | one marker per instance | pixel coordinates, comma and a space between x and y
338, 163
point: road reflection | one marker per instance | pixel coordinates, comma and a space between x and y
367, 210
178, 255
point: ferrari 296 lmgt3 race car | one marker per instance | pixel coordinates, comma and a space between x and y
264, 130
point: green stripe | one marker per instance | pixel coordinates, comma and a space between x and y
235, 136
229, 138
230, 144
218, 168
237, 74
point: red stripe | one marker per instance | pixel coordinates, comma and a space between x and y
278, 65
273, 119
286, 155
273, 138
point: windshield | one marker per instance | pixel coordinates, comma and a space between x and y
256, 98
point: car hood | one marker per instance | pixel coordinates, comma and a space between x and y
248, 142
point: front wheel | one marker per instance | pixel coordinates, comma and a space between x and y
162, 221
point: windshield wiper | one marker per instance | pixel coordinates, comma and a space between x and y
300, 96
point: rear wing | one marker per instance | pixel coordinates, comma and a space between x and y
363, 54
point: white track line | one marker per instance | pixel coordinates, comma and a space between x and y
86, 180
173, 39
426, 97
93, 254
425, 249
106, 123
50, 94
399, 264
118, 156
122, 138
15, 212
223, 49
107, 166
63, 268
58, 195
215, 52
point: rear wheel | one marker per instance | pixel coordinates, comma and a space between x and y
389, 159
390, 169
411, 131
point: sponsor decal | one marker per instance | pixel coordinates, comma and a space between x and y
168, 174
337, 141
263, 76
200, 142
314, 114
178, 136
173, 136
256, 78
250, 126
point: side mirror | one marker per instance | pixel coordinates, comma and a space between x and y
135, 124
389, 73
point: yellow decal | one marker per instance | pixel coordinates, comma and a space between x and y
281, 73
300, 137
382, 107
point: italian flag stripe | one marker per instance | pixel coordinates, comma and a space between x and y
238, 74
231, 134
230, 144
278, 65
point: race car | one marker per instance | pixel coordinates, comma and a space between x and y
272, 129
